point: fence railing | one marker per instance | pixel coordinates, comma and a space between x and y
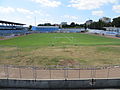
58, 72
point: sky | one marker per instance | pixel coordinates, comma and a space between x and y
33, 12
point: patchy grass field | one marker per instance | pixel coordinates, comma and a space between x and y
1, 37
59, 39
60, 49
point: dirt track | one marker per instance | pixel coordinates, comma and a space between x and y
108, 36
29, 73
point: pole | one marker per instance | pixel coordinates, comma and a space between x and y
20, 72
7, 72
35, 20
95, 72
50, 73
108, 73
65, 73
34, 72
79, 71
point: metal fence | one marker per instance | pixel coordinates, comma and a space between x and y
58, 72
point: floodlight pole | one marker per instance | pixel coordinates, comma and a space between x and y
35, 20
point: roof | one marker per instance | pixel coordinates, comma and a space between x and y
7, 22
47, 26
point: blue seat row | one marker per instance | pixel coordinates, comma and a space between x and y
4, 32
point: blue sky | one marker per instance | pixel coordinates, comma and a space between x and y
57, 11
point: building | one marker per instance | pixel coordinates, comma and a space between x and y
89, 22
105, 19
72, 30
8, 28
45, 29
63, 23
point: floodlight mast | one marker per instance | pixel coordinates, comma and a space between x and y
35, 20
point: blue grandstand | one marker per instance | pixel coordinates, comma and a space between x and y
45, 29
8, 28
72, 30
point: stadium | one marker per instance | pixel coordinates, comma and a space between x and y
50, 53
8, 28
59, 44
42, 47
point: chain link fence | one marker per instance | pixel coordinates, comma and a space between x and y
58, 72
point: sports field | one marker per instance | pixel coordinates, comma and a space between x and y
60, 49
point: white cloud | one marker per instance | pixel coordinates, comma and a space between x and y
37, 12
90, 4
48, 3
24, 11
6, 10
29, 17
98, 13
116, 8
70, 17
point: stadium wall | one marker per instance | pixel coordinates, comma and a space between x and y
61, 84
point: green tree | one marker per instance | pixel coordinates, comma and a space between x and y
40, 25
73, 24
30, 28
116, 22
99, 25
47, 24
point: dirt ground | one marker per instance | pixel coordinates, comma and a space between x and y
108, 36
31, 73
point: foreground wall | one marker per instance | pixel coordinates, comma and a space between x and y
61, 84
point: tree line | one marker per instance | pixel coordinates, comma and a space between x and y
100, 24
94, 25
71, 25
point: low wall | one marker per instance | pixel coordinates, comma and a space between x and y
61, 84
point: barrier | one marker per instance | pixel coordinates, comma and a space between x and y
58, 72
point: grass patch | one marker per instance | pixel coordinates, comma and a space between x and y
109, 49
85, 55
60, 49
1, 37
59, 39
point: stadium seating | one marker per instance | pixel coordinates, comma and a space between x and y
45, 28
8, 32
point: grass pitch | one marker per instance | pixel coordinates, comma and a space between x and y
59, 39
60, 49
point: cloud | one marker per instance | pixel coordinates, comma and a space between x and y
6, 10
37, 12
98, 13
48, 3
70, 17
116, 8
29, 17
90, 4
24, 11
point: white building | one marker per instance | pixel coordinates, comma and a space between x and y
105, 19
89, 22
63, 23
